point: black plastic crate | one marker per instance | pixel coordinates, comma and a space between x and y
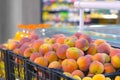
112, 75
57, 74
37, 72
16, 65
3, 65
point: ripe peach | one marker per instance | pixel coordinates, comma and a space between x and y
83, 63
78, 73
92, 49
28, 52
96, 67
16, 51
36, 44
74, 53
104, 48
60, 40
23, 48
49, 40
82, 44
61, 51
55, 46
57, 36
107, 57
18, 61
51, 56
70, 41
117, 78
114, 51
76, 77
108, 68
44, 48
41, 61
69, 65
88, 38
89, 57
87, 78
34, 55
99, 57
67, 74
98, 77
108, 78
77, 34
99, 41
24, 40
54, 64
13, 44
33, 36
115, 60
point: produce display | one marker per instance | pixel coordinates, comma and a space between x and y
78, 56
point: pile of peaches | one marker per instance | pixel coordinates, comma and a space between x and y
77, 55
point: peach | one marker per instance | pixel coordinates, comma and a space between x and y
98, 77
114, 51
23, 48
89, 57
108, 78
88, 38
34, 36
41, 61
45, 47
87, 78
36, 44
104, 48
49, 40
115, 60
76, 77
82, 44
16, 51
55, 46
60, 40
90, 74
57, 36
70, 41
107, 57
28, 52
51, 56
92, 49
99, 41
13, 44
96, 67
77, 34
83, 63
18, 61
24, 40
78, 73
74, 53
117, 78
108, 68
61, 51
99, 57
69, 65
67, 74
34, 55
54, 64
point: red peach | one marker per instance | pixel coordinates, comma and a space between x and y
82, 44
61, 51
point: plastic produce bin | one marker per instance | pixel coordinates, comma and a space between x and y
16, 66
4, 65
37, 72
